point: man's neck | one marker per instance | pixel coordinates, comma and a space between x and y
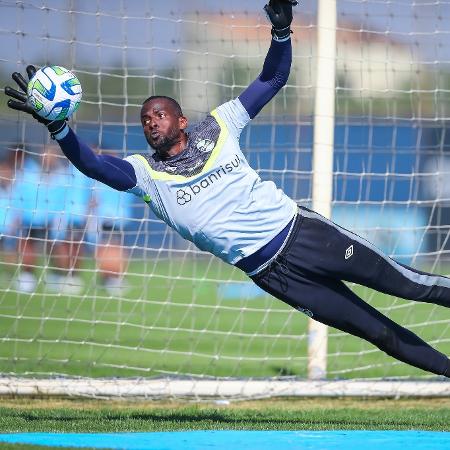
176, 149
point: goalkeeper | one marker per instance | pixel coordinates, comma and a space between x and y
201, 185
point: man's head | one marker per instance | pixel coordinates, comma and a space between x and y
164, 125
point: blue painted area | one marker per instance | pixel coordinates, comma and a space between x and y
277, 149
242, 440
378, 163
374, 162
398, 231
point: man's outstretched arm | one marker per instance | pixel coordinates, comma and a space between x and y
277, 64
114, 172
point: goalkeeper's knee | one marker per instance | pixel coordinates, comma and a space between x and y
387, 340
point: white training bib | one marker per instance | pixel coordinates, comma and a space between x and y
209, 194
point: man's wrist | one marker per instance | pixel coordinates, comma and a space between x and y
58, 129
281, 35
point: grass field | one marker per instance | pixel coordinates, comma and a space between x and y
290, 414
173, 320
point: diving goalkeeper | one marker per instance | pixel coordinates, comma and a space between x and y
200, 184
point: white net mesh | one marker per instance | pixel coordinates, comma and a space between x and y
93, 285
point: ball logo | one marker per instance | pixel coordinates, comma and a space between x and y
183, 197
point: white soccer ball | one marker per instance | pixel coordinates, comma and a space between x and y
54, 92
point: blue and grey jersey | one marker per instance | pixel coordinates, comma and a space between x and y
209, 194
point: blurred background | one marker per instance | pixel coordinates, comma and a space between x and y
392, 94
61, 231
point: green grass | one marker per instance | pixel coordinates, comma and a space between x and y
172, 320
292, 414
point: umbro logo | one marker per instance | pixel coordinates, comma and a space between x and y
349, 252
306, 311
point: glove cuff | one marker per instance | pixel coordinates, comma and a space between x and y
282, 34
58, 129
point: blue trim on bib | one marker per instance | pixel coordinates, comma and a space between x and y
266, 252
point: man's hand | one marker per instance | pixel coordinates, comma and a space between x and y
19, 101
279, 13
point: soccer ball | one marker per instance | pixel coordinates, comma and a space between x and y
54, 93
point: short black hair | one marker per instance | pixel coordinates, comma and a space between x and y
176, 106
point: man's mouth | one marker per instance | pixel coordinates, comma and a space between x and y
154, 135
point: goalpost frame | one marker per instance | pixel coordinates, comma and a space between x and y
239, 388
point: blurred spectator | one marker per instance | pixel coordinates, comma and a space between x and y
111, 257
68, 226
52, 199
112, 209
32, 220
8, 223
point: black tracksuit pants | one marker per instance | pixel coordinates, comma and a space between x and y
308, 274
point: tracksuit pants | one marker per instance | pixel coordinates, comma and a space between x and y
309, 271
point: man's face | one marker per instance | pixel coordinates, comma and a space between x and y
162, 125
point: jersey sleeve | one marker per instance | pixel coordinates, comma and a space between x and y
142, 177
234, 115
273, 77
107, 169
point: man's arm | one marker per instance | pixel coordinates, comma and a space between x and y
277, 64
114, 172
272, 78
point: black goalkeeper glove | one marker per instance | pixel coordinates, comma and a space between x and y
21, 102
279, 13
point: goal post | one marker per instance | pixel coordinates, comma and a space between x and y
99, 298
323, 152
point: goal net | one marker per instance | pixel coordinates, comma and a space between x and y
100, 298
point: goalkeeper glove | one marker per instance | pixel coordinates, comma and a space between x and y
20, 102
279, 13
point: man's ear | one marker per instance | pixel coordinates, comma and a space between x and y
183, 122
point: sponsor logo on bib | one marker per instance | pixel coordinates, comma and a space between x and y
186, 194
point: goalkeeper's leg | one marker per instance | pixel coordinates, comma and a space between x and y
327, 249
333, 303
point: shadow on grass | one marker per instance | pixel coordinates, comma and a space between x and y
195, 418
